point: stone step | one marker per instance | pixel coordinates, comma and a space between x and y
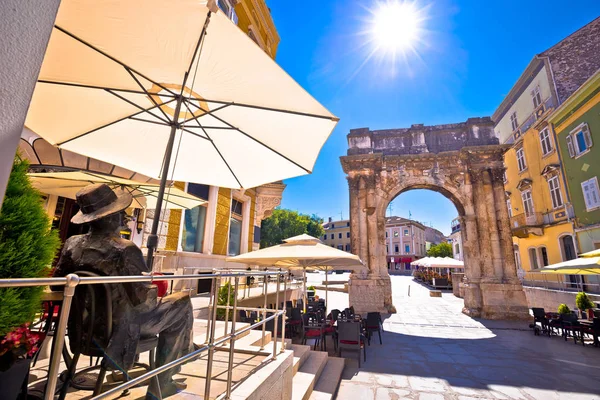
307, 376
301, 352
329, 380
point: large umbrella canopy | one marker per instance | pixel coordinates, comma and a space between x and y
173, 89
114, 71
67, 184
577, 266
421, 262
302, 252
443, 262
593, 253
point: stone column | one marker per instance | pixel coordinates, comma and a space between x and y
492, 217
354, 214
483, 227
506, 243
24, 34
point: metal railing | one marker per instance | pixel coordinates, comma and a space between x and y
71, 281
563, 285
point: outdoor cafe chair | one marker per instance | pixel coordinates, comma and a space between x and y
373, 325
570, 327
311, 329
294, 320
350, 338
539, 316
90, 331
593, 330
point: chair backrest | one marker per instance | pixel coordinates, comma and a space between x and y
571, 317
596, 322
289, 304
348, 331
91, 317
373, 319
538, 312
335, 314
296, 314
352, 310
243, 315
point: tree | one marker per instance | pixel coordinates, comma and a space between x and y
440, 250
27, 248
283, 224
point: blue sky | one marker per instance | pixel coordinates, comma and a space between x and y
469, 55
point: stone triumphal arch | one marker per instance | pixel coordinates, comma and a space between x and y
462, 161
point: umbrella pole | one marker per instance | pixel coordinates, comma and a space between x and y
326, 291
153, 238
304, 274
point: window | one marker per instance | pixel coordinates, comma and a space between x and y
504, 178
340, 235
536, 97
406, 248
387, 249
395, 233
332, 226
456, 248
235, 228
579, 140
521, 159
340, 247
545, 141
227, 7
347, 235
348, 247
194, 220
348, 224
508, 205
544, 256
513, 121
406, 232
568, 248
527, 203
386, 233
591, 194
325, 237
533, 260
396, 249
554, 187
332, 236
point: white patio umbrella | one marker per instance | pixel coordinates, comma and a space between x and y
303, 252
577, 266
67, 184
420, 262
444, 262
173, 90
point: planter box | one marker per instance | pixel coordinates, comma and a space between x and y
12, 380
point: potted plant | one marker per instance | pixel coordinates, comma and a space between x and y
27, 248
583, 303
222, 301
564, 309
310, 291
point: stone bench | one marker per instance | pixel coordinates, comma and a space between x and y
435, 293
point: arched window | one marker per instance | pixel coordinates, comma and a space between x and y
567, 247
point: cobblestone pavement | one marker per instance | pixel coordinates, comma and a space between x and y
432, 351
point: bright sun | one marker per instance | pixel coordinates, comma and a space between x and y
395, 28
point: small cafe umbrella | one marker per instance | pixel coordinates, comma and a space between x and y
577, 266
173, 90
67, 184
303, 252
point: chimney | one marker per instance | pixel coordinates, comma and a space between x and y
330, 219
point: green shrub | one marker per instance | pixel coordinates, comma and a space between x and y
583, 302
223, 300
27, 248
564, 309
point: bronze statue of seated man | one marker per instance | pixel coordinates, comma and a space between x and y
136, 310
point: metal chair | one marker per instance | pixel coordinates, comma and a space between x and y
374, 325
90, 331
570, 327
350, 338
539, 316
311, 329
593, 330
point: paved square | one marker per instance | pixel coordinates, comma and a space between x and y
432, 351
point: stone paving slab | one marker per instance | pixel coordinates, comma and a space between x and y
432, 351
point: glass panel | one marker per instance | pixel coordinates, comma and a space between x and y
581, 145
193, 229
235, 237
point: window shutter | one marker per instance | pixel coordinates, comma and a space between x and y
587, 137
570, 146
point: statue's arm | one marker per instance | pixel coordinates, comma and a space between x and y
64, 265
134, 264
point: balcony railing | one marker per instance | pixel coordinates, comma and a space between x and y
559, 215
71, 281
524, 220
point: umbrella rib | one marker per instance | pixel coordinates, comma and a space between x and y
145, 91
150, 122
94, 87
255, 139
273, 109
91, 46
140, 107
195, 134
206, 112
107, 125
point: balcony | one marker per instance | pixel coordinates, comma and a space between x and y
524, 225
559, 215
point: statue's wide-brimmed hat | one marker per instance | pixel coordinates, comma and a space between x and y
98, 201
